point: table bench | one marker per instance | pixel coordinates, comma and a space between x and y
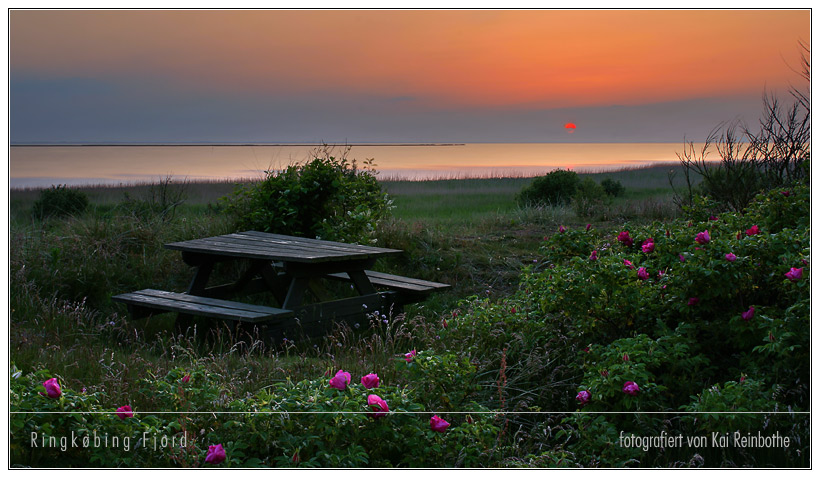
284, 267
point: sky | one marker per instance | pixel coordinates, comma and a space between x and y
357, 76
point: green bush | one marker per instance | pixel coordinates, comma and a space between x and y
327, 198
590, 200
60, 201
554, 189
612, 187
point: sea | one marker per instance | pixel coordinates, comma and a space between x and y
37, 166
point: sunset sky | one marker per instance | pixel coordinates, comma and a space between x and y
394, 76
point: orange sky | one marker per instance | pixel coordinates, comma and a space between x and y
463, 58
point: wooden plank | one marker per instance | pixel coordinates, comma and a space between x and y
201, 306
358, 247
406, 284
373, 275
280, 247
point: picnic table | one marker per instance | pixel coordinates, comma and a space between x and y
288, 268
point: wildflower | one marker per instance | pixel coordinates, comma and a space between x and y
731, 257
786, 193
295, 458
593, 256
748, 315
53, 389
642, 274
588, 226
341, 380
648, 245
216, 454
631, 388
794, 275
438, 424
713, 218
624, 238
753, 230
682, 259
742, 378
668, 234
562, 229
370, 380
693, 301
125, 412
703, 237
626, 357
583, 397
186, 379
605, 373
661, 273
739, 235
628, 263
376, 404
587, 349
408, 357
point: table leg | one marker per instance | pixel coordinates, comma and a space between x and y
200, 280
296, 292
361, 282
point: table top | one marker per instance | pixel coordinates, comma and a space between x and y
276, 247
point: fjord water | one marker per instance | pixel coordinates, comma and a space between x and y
42, 166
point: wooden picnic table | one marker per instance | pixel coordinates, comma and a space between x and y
289, 268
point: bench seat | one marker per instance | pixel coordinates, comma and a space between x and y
142, 302
405, 285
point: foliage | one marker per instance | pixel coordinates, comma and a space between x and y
590, 199
327, 197
554, 189
60, 201
612, 187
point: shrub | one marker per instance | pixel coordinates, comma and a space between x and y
327, 197
60, 201
553, 189
612, 187
590, 199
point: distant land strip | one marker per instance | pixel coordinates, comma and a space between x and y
131, 145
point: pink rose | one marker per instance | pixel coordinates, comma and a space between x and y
593, 256
583, 397
186, 378
713, 218
747, 316
731, 257
588, 226
125, 412
438, 424
624, 238
786, 193
648, 245
378, 405
408, 357
216, 454
642, 274
628, 263
794, 275
562, 229
53, 389
626, 357
682, 259
605, 373
753, 230
703, 237
661, 273
370, 380
693, 301
631, 388
341, 380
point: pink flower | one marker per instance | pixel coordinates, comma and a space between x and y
661, 273
438, 424
682, 259
588, 226
703, 237
713, 218
295, 458
625, 239
668, 234
53, 389
631, 388
626, 357
794, 275
605, 373
562, 229
642, 274
628, 263
186, 379
648, 245
742, 378
583, 397
739, 235
786, 193
408, 357
216, 454
693, 301
753, 230
747, 316
376, 404
370, 380
341, 380
125, 412
731, 257
593, 256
